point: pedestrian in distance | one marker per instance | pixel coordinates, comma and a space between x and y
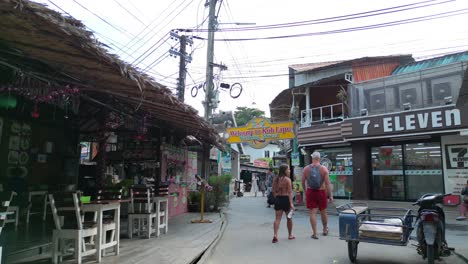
464, 203
282, 192
269, 185
262, 184
254, 187
318, 189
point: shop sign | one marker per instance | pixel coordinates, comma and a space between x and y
261, 163
456, 157
244, 158
417, 121
259, 132
214, 153
295, 159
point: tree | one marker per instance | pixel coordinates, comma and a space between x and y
244, 114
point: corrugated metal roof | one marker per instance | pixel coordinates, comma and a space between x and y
429, 63
311, 66
319, 65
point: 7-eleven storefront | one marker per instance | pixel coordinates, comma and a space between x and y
397, 156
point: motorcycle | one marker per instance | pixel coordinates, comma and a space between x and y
430, 228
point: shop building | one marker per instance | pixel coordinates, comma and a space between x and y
392, 137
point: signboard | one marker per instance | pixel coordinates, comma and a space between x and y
259, 132
456, 161
409, 122
244, 158
295, 159
214, 154
261, 163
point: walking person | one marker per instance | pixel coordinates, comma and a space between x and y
464, 203
269, 184
317, 182
262, 183
283, 201
254, 187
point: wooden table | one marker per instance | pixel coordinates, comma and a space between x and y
99, 207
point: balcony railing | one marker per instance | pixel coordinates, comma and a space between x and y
322, 114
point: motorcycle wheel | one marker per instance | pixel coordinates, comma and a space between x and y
430, 254
352, 250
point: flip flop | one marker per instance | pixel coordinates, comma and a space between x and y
314, 236
275, 240
291, 237
325, 231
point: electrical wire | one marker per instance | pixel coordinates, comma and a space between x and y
104, 20
352, 29
159, 31
130, 13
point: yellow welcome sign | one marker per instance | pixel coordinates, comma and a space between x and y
259, 132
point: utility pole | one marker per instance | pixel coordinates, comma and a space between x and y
184, 58
212, 25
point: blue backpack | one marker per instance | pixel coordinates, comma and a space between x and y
314, 181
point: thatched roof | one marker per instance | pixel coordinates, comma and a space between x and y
47, 47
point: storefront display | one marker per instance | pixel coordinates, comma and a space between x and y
339, 162
406, 171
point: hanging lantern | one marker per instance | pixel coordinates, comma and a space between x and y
35, 112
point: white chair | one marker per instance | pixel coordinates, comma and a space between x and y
5, 199
14, 212
162, 205
69, 225
109, 221
142, 214
34, 198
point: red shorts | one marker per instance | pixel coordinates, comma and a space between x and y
316, 199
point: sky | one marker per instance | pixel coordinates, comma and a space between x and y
258, 56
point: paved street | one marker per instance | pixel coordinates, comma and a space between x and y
247, 239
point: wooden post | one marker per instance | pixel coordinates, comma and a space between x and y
202, 205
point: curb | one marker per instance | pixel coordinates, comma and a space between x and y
206, 254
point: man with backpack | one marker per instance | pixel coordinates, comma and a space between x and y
316, 181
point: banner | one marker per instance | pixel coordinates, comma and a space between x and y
295, 159
259, 132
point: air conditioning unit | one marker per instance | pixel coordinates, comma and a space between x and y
377, 102
410, 93
440, 91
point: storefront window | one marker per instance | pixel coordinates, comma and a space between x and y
339, 162
407, 171
387, 173
423, 169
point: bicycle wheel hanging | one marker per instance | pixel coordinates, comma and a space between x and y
236, 90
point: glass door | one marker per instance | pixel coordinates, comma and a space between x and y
423, 169
387, 173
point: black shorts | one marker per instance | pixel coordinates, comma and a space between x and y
282, 203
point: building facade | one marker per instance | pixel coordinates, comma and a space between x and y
394, 137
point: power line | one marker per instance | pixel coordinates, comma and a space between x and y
352, 29
102, 19
130, 13
366, 14
154, 28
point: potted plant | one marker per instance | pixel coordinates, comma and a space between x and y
194, 198
218, 195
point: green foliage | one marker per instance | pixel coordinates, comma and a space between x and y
194, 197
244, 114
218, 196
125, 185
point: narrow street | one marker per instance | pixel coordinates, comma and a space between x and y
247, 239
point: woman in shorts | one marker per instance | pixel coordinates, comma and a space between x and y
282, 192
